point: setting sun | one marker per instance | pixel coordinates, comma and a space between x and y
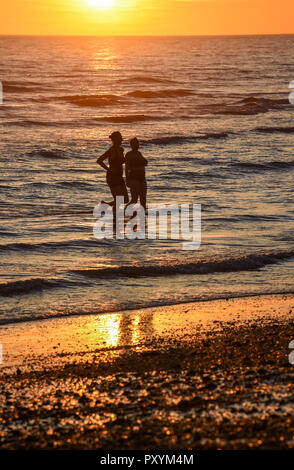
146, 17
102, 4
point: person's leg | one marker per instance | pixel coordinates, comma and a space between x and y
115, 191
110, 203
134, 192
120, 190
143, 194
111, 188
125, 194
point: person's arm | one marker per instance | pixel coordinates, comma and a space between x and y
144, 161
101, 159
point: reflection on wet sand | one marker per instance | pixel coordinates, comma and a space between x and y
136, 328
116, 330
77, 335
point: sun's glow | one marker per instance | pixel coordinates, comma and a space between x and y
101, 4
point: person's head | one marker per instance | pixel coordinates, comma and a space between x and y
134, 143
116, 138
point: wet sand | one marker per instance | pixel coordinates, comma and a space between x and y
208, 375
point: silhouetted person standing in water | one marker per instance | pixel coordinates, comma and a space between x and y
135, 173
114, 172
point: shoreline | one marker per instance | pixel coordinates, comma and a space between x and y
210, 375
27, 320
116, 329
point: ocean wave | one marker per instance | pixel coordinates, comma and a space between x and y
44, 246
80, 185
75, 184
272, 165
37, 123
191, 175
177, 139
270, 130
145, 80
250, 262
267, 101
160, 93
30, 123
176, 175
248, 106
48, 154
128, 118
8, 234
91, 100
22, 83
9, 88
25, 286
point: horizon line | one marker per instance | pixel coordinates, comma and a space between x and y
146, 35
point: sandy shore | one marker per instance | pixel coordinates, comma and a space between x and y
209, 375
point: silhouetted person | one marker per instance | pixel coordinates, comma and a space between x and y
114, 171
135, 173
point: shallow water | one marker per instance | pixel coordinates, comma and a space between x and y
216, 126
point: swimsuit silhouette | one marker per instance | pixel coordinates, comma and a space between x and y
114, 172
135, 173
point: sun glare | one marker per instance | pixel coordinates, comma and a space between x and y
101, 4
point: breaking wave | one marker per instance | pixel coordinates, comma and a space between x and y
243, 263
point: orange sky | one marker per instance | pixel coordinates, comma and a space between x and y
147, 17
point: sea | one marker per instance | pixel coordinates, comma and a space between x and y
215, 122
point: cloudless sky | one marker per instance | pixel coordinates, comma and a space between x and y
146, 17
